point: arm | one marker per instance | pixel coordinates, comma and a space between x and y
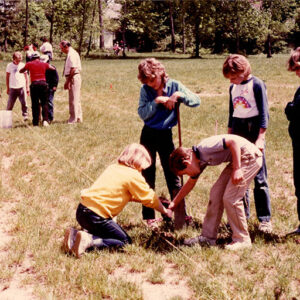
69, 79
186, 96
188, 186
23, 70
237, 175
7, 82
230, 111
147, 105
166, 211
27, 83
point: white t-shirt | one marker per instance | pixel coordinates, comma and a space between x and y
72, 61
16, 79
46, 47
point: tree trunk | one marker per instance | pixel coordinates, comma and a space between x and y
26, 23
101, 37
82, 26
183, 34
197, 39
172, 26
91, 32
269, 46
52, 22
124, 27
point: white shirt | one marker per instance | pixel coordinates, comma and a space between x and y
244, 103
16, 79
72, 61
46, 47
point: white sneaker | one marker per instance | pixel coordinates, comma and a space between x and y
45, 124
202, 240
69, 239
238, 245
265, 227
83, 241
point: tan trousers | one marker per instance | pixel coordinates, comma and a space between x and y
224, 194
74, 100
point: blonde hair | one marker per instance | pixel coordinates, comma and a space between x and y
16, 54
149, 68
135, 156
236, 64
294, 60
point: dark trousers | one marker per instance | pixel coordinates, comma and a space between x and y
295, 136
12, 97
110, 232
51, 104
39, 97
249, 129
161, 142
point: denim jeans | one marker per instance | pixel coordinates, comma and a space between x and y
110, 232
51, 93
12, 97
249, 129
161, 142
39, 97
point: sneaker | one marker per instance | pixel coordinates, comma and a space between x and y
265, 227
83, 241
25, 119
69, 239
202, 240
238, 245
45, 124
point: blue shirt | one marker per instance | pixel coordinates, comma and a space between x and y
157, 116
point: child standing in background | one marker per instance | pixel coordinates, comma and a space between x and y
248, 117
119, 184
158, 96
292, 111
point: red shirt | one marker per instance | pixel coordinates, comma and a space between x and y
37, 70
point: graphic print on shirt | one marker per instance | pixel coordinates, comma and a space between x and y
240, 101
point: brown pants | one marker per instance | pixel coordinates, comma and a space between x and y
224, 194
74, 100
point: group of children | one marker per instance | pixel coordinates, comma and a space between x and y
132, 178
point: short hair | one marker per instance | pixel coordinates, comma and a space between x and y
65, 43
16, 54
149, 68
135, 156
36, 45
44, 39
294, 60
177, 158
236, 64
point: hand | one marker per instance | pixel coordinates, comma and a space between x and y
67, 85
260, 144
171, 206
54, 88
27, 92
237, 176
168, 213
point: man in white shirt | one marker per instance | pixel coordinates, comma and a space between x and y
72, 71
46, 48
16, 83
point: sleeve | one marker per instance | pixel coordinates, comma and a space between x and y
55, 78
8, 68
147, 106
260, 94
230, 108
292, 109
141, 192
190, 99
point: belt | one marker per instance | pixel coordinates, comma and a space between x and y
73, 74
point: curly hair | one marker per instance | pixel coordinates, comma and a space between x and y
149, 68
236, 64
294, 60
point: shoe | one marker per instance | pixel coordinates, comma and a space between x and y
265, 227
25, 119
83, 241
69, 239
45, 124
295, 232
202, 240
79, 120
238, 245
189, 221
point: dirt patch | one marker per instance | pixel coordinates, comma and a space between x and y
173, 285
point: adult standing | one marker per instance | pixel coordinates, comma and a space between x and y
46, 48
16, 83
38, 88
72, 71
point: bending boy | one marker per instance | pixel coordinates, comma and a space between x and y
244, 160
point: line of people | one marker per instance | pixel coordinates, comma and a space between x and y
43, 82
242, 148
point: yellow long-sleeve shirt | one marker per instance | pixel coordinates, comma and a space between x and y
114, 188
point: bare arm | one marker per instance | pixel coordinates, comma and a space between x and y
69, 79
166, 211
27, 83
7, 82
260, 142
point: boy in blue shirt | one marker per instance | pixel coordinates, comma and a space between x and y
248, 117
158, 97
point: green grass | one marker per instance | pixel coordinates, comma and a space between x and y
49, 167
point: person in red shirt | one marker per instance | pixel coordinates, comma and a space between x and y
38, 88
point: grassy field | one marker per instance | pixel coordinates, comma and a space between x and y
44, 169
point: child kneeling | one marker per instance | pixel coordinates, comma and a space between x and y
119, 184
244, 160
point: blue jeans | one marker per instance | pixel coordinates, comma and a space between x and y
110, 232
161, 142
51, 104
249, 129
